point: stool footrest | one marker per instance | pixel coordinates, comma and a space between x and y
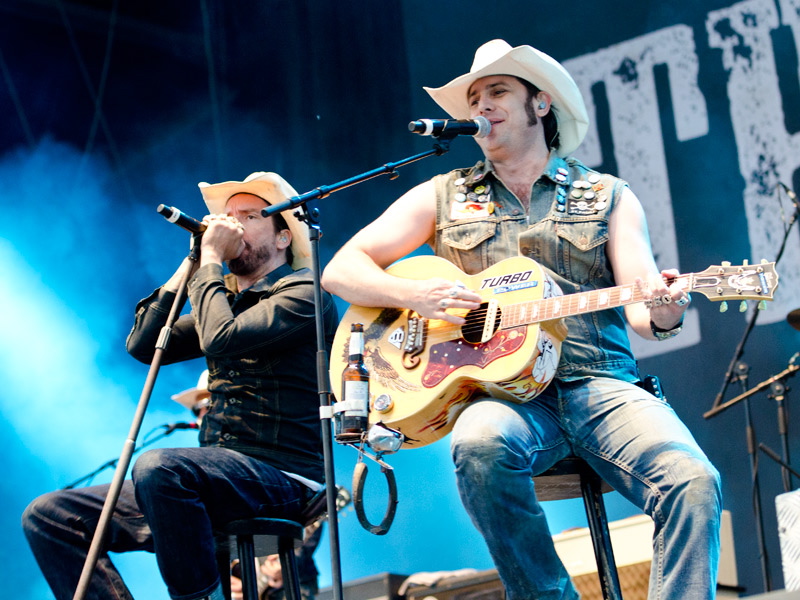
264, 526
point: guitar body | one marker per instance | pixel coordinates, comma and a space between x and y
424, 371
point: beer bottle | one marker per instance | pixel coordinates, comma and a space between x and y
353, 419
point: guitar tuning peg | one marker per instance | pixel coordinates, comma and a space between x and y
726, 263
764, 261
743, 306
762, 305
723, 307
745, 262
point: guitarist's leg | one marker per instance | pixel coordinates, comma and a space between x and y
495, 445
637, 443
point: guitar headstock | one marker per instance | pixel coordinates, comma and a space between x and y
736, 282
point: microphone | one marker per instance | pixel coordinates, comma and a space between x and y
173, 215
477, 127
169, 428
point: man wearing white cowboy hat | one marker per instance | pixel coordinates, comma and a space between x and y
530, 197
261, 449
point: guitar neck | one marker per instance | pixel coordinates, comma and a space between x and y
557, 307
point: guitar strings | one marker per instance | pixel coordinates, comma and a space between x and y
450, 331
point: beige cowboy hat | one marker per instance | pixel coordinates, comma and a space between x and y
273, 189
499, 58
193, 396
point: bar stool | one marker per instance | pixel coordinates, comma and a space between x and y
572, 477
262, 536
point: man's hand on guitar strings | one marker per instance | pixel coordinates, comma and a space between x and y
440, 295
665, 297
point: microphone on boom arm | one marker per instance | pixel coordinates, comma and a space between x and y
448, 128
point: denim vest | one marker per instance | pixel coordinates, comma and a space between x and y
480, 222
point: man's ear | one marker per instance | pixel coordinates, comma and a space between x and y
542, 103
284, 239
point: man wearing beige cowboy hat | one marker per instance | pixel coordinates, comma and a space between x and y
261, 450
529, 197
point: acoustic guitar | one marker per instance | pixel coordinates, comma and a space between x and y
424, 371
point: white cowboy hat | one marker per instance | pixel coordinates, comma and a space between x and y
499, 58
191, 397
273, 189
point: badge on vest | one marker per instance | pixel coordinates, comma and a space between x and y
470, 201
587, 197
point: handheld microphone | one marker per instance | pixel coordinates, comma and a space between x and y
173, 215
477, 127
169, 428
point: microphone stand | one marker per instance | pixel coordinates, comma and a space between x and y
311, 218
128, 447
784, 465
778, 393
743, 371
718, 407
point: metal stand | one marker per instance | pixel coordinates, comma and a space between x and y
130, 443
311, 218
731, 375
778, 393
168, 430
758, 512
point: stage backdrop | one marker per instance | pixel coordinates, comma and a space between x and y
111, 108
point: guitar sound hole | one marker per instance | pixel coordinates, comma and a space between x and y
472, 330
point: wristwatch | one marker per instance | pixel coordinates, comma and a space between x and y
665, 334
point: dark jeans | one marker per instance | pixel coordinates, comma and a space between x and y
180, 495
59, 527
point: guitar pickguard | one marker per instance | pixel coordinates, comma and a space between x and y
447, 357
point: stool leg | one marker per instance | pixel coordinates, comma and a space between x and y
601, 539
247, 562
291, 580
224, 565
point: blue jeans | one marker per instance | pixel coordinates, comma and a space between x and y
633, 440
179, 497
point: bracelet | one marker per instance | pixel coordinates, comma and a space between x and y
665, 334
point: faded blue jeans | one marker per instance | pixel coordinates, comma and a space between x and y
181, 494
633, 440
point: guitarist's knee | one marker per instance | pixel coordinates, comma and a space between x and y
488, 435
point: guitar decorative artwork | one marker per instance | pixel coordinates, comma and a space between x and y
423, 371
